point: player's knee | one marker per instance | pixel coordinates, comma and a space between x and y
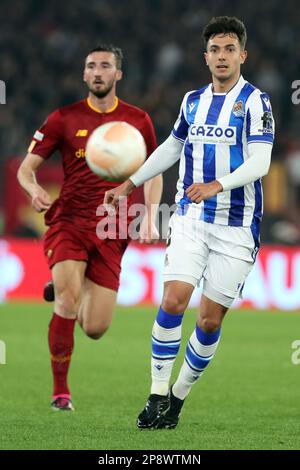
173, 304
67, 301
95, 332
209, 325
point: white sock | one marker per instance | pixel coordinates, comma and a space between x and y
166, 337
199, 352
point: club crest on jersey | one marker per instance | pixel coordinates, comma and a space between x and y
211, 134
238, 109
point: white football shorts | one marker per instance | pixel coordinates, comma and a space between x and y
220, 254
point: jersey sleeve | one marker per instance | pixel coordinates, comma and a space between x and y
260, 124
181, 126
149, 135
47, 139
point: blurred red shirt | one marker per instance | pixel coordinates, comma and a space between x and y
67, 130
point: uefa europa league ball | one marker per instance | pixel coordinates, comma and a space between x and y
115, 150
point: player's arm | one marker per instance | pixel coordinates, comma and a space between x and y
26, 175
152, 195
251, 170
45, 141
148, 232
260, 136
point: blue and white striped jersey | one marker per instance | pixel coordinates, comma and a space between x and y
216, 130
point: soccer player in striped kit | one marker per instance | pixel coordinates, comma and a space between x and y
223, 138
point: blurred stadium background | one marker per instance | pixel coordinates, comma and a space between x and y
163, 59
42, 47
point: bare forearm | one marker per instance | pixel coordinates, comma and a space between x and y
27, 179
152, 193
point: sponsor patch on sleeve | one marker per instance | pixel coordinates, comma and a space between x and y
38, 136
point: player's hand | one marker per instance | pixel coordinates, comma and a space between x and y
113, 196
198, 192
40, 199
148, 232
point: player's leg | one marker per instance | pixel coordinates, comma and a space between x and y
68, 277
166, 333
96, 309
222, 280
166, 338
200, 350
184, 264
101, 284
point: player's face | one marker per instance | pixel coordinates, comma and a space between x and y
101, 73
224, 56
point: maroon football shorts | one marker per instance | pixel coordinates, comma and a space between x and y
65, 242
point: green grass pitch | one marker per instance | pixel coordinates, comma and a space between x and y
248, 398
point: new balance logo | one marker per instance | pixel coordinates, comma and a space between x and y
82, 133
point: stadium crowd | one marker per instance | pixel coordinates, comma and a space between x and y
43, 45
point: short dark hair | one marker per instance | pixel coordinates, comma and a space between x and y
226, 25
110, 48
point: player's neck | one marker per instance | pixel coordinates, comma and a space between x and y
104, 104
226, 85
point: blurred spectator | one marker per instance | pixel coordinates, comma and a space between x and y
163, 49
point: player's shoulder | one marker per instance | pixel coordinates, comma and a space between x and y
191, 97
65, 111
72, 108
132, 109
194, 94
256, 95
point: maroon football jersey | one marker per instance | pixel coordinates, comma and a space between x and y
67, 130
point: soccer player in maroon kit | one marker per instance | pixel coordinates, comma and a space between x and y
85, 269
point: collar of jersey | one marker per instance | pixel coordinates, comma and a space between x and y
241, 82
110, 110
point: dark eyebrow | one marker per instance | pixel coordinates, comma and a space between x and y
226, 45
103, 62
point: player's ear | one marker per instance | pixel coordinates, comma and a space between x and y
205, 57
244, 55
119, 75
